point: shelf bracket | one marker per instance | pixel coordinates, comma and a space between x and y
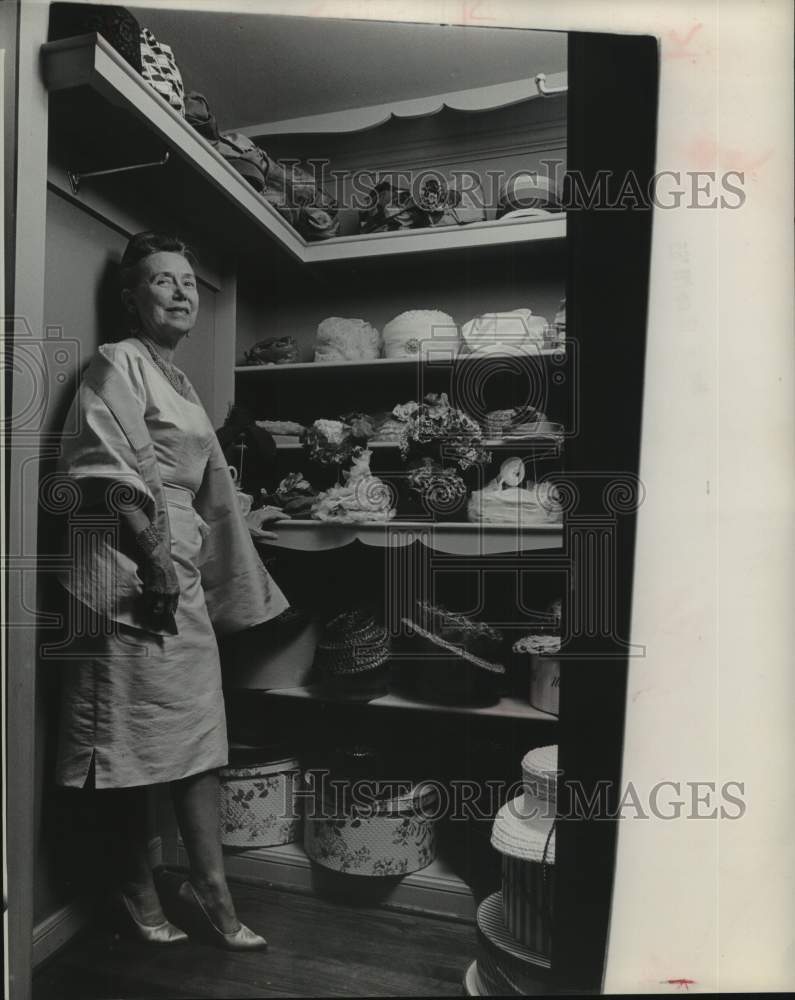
75, 178
544, 90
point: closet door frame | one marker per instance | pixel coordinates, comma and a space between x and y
25, 212
613, 89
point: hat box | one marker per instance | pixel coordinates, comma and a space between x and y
505, 966
524, 834
544, 670
259, 800
394, 837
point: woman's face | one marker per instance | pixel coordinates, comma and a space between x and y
165, 297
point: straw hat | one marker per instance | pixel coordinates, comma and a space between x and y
524, 829
539, 773
352, 643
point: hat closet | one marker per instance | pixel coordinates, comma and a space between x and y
444, 726
365, 678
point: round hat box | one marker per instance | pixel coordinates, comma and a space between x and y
527, 897
396, 837
506, 968
523, 832
545, 684
259, 801
505, 965
544, 670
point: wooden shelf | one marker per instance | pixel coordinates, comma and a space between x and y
505, 708
376, 364
453, 538
88, 65
476, 234
90, 70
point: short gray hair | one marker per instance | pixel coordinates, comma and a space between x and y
143, 245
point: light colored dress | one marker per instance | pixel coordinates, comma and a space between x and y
145, 707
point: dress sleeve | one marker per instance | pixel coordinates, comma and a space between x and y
108, 454
96, 451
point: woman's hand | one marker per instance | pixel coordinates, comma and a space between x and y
265, 515
158, 573
161, 586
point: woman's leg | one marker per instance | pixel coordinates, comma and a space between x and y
127, 812
197, 805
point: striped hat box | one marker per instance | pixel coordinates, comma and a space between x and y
527, 896
524, 833
500, 982
495, 984
507, 968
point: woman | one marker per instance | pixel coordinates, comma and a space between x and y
143, 704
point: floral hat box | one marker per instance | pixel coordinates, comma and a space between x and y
260, 802
397, 838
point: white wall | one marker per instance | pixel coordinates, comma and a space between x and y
286, 68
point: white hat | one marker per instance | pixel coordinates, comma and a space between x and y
539, 773
518, 329
524, 828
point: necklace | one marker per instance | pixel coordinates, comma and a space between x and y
174, 376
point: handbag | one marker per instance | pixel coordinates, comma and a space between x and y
159, 69
199, 116
294, 193
246, 157
116, 25
302, 201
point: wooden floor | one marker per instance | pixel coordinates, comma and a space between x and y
316, 949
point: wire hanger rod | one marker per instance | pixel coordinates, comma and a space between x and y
75, 178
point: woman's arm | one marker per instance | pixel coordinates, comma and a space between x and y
160, 584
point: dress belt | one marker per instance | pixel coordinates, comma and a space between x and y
180, 496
